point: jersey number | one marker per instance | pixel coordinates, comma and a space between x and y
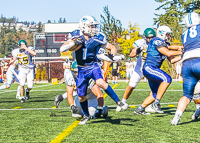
192, 33
84, 53
24, 61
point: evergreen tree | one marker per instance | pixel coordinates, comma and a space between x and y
60, 20
64, 20
39, 28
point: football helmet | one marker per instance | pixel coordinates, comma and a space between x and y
89, 25
149, 33
192, 19
74, 66
163, 31
22, 41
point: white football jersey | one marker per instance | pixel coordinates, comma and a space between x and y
142, 44
66, 64
129, 66
24, 58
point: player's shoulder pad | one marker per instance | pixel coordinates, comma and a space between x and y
139, 43
157, 41
75, 34
15, 52
101, 37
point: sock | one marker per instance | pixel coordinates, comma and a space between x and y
3, 87
141, 108
157, 101
27, 90
178, 113
84, 106
64, 95
100, 107
112, 94
18, 90
197, 106
124, 100
113, 82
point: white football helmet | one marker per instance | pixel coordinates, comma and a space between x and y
162, 32
89, 25
192, 19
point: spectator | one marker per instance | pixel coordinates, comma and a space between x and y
115, 71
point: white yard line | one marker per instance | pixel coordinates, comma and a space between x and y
70, 108
33, 87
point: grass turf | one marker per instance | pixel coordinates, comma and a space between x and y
38, 126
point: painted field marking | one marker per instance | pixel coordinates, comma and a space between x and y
105, 95
65, 133
16, 107
171, 105
132, 106
69, 129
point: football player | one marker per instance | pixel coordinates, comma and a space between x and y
140, 52
92, 94
24, 56
158, 80
88, 40
11, 74
190, 65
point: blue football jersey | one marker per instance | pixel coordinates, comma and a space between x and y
154, 57
86, 55
191, 38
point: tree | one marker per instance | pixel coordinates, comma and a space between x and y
173, 17
110, 26
49, 21
60, 20
127, 39
39, 28
64, 20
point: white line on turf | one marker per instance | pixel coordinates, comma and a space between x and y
70, 108
33, 87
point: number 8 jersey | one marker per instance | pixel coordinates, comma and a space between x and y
191, 42
24, 58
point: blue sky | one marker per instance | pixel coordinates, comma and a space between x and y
134, 11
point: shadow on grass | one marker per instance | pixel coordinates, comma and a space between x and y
197, 120
114, 121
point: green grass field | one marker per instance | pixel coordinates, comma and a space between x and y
31, 121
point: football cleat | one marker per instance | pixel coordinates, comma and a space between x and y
58, 99
105, 111
141, 112
123, 105
118, 109
84, 120
76, 115
22, 100
98, 113
156, 107
150, 109
175, 120
196, 114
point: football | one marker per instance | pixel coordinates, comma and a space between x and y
75, 48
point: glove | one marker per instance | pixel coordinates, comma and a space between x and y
78, 41
110, 56
74, 109
138, 51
